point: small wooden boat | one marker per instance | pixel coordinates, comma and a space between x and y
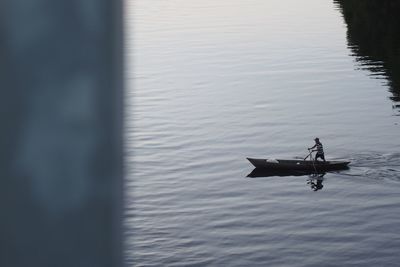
298, 165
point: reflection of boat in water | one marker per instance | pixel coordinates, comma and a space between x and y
314, 179
298, 165
262, 172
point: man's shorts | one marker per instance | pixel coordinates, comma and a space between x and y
320, 155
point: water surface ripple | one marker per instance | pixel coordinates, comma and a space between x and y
213, 82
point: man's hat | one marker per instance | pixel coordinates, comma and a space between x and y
316, 139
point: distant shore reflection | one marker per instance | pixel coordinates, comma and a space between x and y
373, 36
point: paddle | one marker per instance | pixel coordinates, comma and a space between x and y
309, 155
312, 160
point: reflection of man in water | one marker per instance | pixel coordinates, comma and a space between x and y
315, 181
316, 186
320, 150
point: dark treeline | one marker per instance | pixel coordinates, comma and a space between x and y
373, 34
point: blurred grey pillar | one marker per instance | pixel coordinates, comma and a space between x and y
60, 134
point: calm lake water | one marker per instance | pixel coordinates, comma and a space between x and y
213, 82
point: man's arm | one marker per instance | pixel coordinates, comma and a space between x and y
313, 147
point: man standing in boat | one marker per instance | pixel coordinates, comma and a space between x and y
319, 149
